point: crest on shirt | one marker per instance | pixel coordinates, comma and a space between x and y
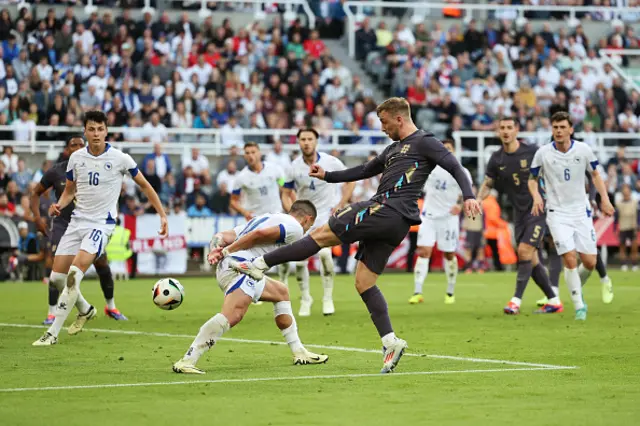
107, 166
523, 163
405, 149
577, 160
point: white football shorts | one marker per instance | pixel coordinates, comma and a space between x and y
572, 233
84, 235
443, 230
231, 280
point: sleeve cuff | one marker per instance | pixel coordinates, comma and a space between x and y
70, 175
594, 164
289, 185
133, 172
283, 234
535, 171
236, 192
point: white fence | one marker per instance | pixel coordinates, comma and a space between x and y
210, 142
422, 8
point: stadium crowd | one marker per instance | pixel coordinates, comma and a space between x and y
466, 76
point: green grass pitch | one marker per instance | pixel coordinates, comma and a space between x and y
250, 380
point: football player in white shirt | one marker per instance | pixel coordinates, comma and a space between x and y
327, 198
441, 224
260, 181
261, 235
94, 181
562, 164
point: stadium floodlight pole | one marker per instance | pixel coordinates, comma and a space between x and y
605, 56
359, 5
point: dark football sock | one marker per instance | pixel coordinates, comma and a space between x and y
377, 306
53, 295
555, 268
541, 278
522, 279
600, 267
294, 252
106, 281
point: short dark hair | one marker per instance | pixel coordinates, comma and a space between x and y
508, 118
561, 116
95, 116
251, 144
67, 141
449, 142
310, 130
304, 207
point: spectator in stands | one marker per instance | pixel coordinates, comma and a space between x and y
199, 209
154, 130
22, 177
278, 156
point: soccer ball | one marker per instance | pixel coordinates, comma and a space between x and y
168, 294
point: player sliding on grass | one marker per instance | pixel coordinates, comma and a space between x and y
261, 235
94, 180
510, 165
381, 223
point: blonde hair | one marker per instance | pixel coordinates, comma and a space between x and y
395, 106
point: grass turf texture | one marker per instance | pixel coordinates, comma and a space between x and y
603, 390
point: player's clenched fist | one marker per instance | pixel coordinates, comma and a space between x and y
316, 171
54, 210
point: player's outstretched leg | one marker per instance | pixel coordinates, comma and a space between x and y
300, 250
393, 347
302, 276
106, 284
420, 272
278, 293
605, 281
327, 273
451, 270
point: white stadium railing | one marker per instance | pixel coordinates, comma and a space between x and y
603, 150
422, 8
209, 141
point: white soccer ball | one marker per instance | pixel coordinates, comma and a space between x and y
168, 294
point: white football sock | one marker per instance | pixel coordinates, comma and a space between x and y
572, 278
209, 333
67, 300
260, 263
327, 271
420, 274
554, 301
388, 339
111, 304
302, 275
516, 300
52, 309
556, 290
290, 333
283, 273
451, 269
584, 274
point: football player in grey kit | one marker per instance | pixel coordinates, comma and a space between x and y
380, 224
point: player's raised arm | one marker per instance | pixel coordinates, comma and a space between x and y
435, 151
534, 190
269, 235
363, 171
152, 196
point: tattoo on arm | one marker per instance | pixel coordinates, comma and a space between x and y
532, 177
487, 184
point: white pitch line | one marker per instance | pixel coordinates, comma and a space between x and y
275, 379
328, 347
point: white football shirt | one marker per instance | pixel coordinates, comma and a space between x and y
564, 176
98, 183
324, 196
261, 190
290, 231
442, 193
